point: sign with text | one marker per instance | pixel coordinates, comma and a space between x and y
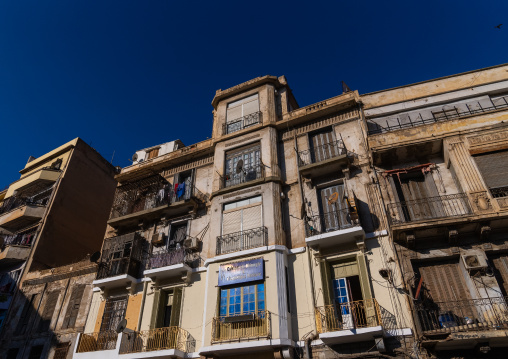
241, 272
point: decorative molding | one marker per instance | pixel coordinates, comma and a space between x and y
488, 138
481, 201
234, 194
502, 202
188, 166
229, 144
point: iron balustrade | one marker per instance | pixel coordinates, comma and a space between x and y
321, 153
168, 257
345, 316
121, 255
445, 115
241, 123
462, 315
247, 174
452, 205
331, 221
40, 199
239, 241
248, 327
157, 339
92, 342
499, 192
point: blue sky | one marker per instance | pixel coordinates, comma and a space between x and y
124, 75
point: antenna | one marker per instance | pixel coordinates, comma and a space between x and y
239, 166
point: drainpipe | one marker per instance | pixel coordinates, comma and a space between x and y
145, 286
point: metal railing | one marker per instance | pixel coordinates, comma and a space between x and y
239, 241
321, 153
463, 315
250, 327
241, 123
452, 205
20, 239
157, 339
39, 199
117, 267
499, 192
438, 116
329, 222
247, 174
121, 255
341, 316
93, 342
168, 257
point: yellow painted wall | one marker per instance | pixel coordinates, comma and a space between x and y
100, 313
132, 312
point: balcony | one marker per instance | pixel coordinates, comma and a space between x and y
349, 322
241, 123
17, 246
98, 341
40, 178
19, 211
170, 262
322, 159
160, 342
239, 241
425, 209
150, 198
244, 327
247, 174
120, 260
328, 229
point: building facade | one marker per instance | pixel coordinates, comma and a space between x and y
52, 218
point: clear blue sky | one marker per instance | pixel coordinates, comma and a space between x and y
124, 75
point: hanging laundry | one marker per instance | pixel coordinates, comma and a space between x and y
181, 190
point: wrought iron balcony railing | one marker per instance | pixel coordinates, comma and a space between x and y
239, 241
329, 222
463, 315
169, 257
40, 199
121, 255
247, 174
452, 205
157, 339
241, 123
21, 239
440, 116
321, 153
247, 327
499, 192
93, 342
341, 316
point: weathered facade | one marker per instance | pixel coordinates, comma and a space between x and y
439, 150
50, 219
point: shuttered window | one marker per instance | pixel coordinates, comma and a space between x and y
494, 169
323, 146
153, 153
26, 313
47, 312
72, 311
242, 215
243, 107
167, 309
500, 262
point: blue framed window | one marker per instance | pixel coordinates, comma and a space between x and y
340, 292
240, 300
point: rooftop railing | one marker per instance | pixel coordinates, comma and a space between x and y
463, 315
239, 241
246, 327
241, 123
329, 222
452, 205
438, 116
321, 153
351, 315
247, 174
157, 339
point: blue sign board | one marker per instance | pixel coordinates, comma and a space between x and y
241, 272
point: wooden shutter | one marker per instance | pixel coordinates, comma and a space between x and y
26, 313
322, 147
250, 105
494, 168
73, 307
251, 217
325, 282
154, 321
234, 112
364, 276
47, 313
501, 271
232, 222
175, 311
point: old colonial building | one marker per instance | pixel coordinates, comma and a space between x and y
267, 240
53, 217
440, 153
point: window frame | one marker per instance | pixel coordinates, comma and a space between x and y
257, 310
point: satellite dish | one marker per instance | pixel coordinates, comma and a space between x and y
121, 326
239, 166
134, 157
95, 257
333, 198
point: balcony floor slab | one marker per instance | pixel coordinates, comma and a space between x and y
246, 347
168, 271
115, 282
21, 217
160, 354
332, 238
351, 335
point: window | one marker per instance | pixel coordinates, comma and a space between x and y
114, 313
177, 235
27, 311
167, 313
47, 313
36, 352
242, 113
243, 165
242, 300
494, 169
323, 146
242, 215
73, 307
154, 152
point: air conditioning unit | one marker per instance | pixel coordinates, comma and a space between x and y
474, 262
158, 238
191, 243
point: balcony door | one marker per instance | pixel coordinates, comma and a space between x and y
249, 168
333, 209
347, 295
114, 313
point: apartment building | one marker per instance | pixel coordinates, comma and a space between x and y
51, 219
439, 149
267, 240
